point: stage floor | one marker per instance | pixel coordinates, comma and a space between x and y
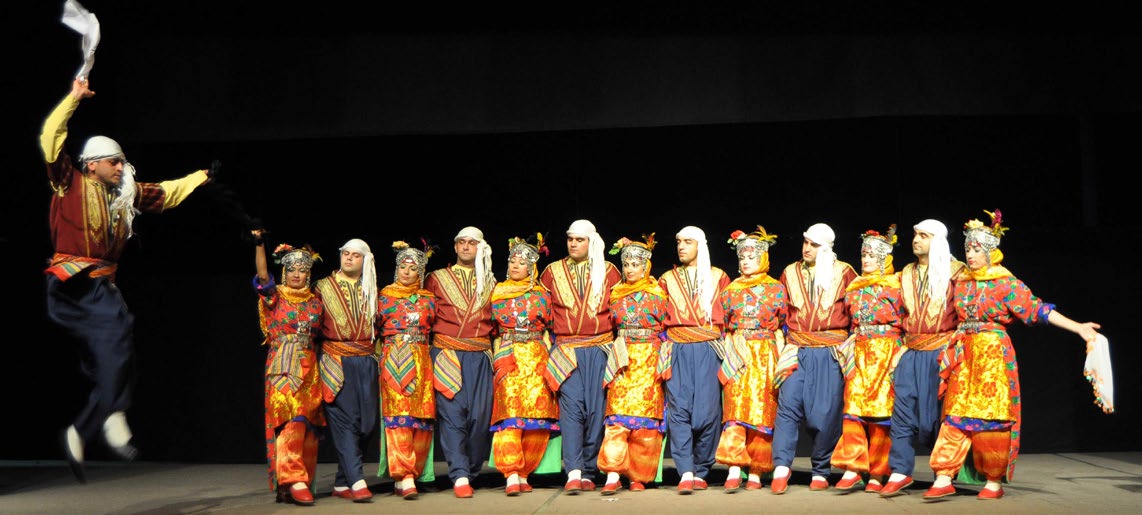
1044, 483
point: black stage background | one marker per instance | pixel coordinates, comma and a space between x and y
364, 120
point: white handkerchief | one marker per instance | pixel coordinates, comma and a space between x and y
1097, 370
84, 22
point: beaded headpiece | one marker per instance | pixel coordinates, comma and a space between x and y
407, 254
986, 236
630, 249
880, 245
529, 248
753, 243
291, 258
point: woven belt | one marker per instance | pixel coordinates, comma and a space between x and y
406, 338
868, 329
637, 333
755, 334
975, 326
522, 336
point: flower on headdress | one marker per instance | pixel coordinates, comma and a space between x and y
541, 244
429, 247
618, 246
735, 236
649, 239
973, 224
997, 227
888, 237
399, 246
284, 247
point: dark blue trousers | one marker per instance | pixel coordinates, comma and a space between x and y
694, 408
463, 421
916, 409
582, 408
353, 417
93, 312
812, 395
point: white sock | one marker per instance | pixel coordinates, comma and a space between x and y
340, 488
992, 485
780, 472
820, 478
522, 480
574, 474
848, 475
115, 429
461, 482
688, 476
756, 478
74, 443
734, 473
513, 479
896, 476
942, 481
612, 477
299, 486
360, 484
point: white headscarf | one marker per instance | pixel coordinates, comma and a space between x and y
484, 275
102, 147
705, 276
595, 260
939, 259
822, 235
368, 276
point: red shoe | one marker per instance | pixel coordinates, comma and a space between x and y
819, 484
844, 485
361, 495
301, 496
410, 493
873, 486
512, 490
588, 485
463, 491
700, 484
344, 494
637, 486
779, 484
732, 485
573, 486
611, 488
893, 488
753, 485
990, 494
686, 487
938, 492
525, 487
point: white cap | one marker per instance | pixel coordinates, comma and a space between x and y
933, 227
100, 147
705, 273
581, 228
470, 232
820, 234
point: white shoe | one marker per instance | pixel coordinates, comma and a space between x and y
118, 436
73, 450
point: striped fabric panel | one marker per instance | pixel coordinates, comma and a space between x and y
400, 368
560, 363
285, 369
332, 375
786, 363
733, 359
446, 376
503, 361
665, 359
845, 357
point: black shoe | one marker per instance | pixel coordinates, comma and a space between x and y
73, 462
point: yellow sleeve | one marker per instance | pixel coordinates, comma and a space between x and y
178, 189
55, 128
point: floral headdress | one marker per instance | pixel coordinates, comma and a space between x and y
757, 241
290, 257
630, 249
419, 257
986, 236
